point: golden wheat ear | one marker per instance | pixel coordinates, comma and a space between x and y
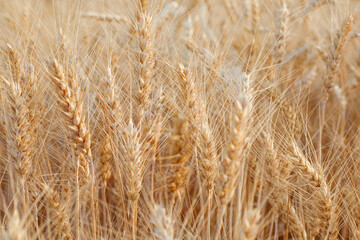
74, 118
18, 135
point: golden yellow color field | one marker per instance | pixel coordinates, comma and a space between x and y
179, 119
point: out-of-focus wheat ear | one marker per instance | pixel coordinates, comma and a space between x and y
16, 63
336, 55
230, 9
166, 14
180, 156
15, 228
281, 35
356, 34
292, 119
74, 117
144, 5
214, 73
342, 103
106, 17
18, 130
144, 64
254, 15
254, 47
328, 222
106, 157
188, 29
112, 114
189, 97
314, 4
250, 224
278, 176
61, 222
133, 170
163, 224
332, 66
232, 162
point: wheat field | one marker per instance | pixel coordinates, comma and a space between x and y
183, 119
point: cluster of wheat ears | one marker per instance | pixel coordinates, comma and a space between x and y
186, 119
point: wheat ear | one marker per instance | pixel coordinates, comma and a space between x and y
61, 224
208, 162
333, 63
72, 113
208, 165
19, 137
276, 174
191, 102
250, 224
314, 4
315, 178
134, 169
181, 156
280, 35
230, 167
16, 230
106, 17
254, 15
336, 54
16, 64
144, 64
163, 224
112, 112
